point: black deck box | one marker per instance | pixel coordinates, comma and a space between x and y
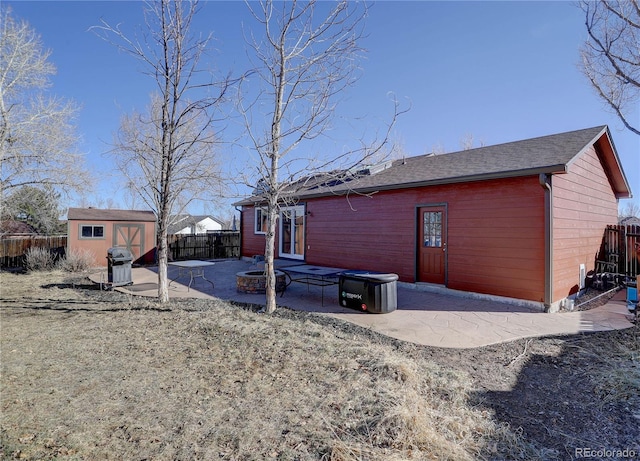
369, 291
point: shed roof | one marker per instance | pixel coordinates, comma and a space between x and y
96, 214
547, 154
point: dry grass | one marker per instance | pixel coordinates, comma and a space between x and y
615, 370
92, 375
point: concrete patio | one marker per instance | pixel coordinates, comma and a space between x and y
442, 319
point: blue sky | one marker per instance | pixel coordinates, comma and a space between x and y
496, 71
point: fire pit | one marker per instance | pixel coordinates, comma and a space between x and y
256, 282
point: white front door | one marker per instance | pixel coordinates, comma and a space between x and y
292, 232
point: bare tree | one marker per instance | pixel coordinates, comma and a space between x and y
37, 206
305, 56
631, 209
37, 135
467, 141
611, 55
167, 152
195, 169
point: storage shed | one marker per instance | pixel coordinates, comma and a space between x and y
522, 220
97, 230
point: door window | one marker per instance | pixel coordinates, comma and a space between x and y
432, 228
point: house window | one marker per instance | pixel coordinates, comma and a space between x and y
292, 232
260, 221
91, 232
432, 228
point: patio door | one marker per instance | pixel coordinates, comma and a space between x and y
292, 232
432, 244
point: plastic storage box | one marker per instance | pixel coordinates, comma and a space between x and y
369, 291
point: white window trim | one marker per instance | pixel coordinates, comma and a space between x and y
92, 226
299, 210
256, 220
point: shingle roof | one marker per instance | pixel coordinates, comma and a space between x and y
546, 154
16, 227
96, 214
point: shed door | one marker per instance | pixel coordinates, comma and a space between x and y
432, 244
130, 236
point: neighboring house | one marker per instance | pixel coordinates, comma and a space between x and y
12, 227
98, 230
188, 224
521, 220
630, 221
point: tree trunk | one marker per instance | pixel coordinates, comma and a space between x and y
163, 268
163, 250
269, 259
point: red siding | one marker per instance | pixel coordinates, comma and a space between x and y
369, 233
252, 243
583, 205
495, 241
495, 234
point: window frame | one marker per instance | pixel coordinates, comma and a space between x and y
260, 218
93, 227
297, 220
432, 229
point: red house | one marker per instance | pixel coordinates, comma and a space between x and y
521, 220
97, 230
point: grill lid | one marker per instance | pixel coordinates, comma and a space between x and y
119, 253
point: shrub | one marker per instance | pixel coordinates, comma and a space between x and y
39, 259
77, 260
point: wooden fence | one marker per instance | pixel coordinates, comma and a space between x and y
620, 250
216, 245
13, 249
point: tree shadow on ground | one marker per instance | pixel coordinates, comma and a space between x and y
570, 404
93, 300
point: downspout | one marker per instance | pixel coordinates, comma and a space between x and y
545, 182
240, 229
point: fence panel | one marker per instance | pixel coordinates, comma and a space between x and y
13, 249
620, 252
215, 245
218, 245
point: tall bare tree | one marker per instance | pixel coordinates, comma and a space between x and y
37, 206
611, 55
305, 56
38, 143
168, 151
631, 209
195, 170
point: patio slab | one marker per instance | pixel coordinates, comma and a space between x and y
423, 317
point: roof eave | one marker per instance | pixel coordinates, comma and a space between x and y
613, 159
609, 155
553, 169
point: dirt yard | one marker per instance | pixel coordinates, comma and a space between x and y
89, 374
